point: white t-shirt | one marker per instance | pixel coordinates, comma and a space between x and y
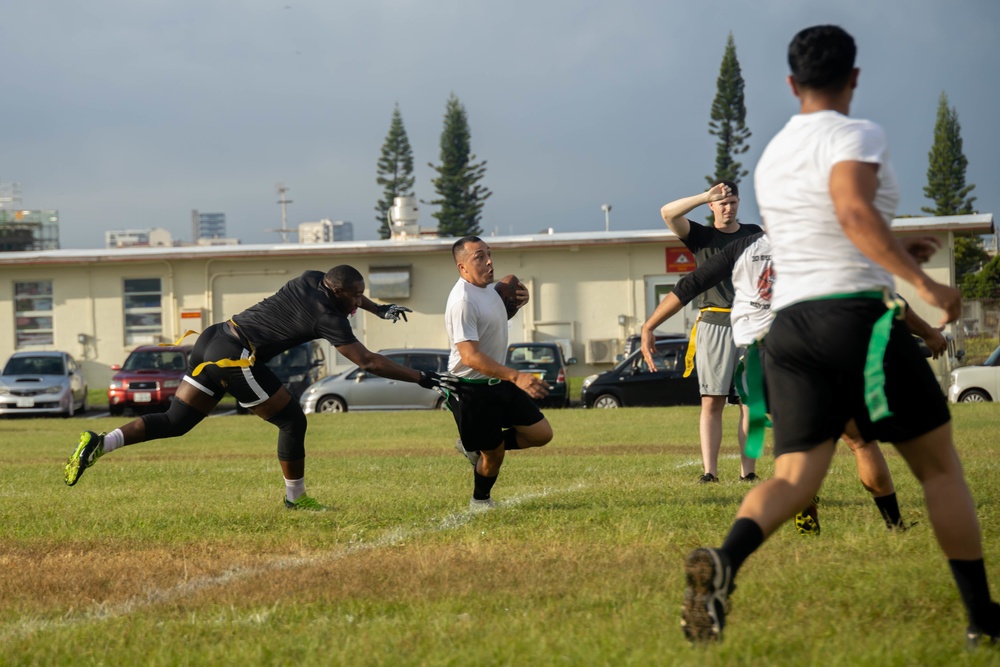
753, 282
792, 180
475, 313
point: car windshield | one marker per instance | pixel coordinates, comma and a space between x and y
160, 360
992, 359
667, 358
295, 358
34, 366
532, 356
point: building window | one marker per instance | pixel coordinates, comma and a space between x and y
143, 311
33, 313
389, 282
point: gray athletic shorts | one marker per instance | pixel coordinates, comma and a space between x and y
715, 358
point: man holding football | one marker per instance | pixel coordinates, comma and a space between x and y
495, 411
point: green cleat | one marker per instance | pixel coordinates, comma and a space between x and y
90, 449
307, 503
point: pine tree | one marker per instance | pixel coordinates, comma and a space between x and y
946, 170
947, 189
460, 195
729, 119
395, 170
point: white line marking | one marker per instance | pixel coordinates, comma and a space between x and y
104, 612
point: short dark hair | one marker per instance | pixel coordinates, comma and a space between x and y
340, 277
459, 245
732, 186
822, 57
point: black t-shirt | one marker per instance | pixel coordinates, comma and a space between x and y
704, 241
299, 312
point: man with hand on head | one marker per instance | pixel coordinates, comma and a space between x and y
230, 357
495, 412
711, 344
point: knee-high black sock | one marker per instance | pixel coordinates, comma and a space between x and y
483, 486
970, 576
743, 539
889, 507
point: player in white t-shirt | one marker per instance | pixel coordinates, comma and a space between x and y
827, 192
495, 412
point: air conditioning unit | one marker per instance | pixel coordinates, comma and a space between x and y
602, 350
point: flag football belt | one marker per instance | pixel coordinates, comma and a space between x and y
750, 382
750, 386
221, 363
489, 381
689, 357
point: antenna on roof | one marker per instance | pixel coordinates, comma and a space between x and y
284, 231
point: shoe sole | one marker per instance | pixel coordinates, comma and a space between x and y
75, 466
704, 578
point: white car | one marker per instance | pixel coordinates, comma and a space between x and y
357, 390
975, 384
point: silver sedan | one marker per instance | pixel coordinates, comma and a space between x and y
39, 383
355, 389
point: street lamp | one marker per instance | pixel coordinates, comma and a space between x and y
607, 216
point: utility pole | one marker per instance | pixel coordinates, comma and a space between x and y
284, 213
607, 217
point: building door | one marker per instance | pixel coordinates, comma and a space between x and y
658, 287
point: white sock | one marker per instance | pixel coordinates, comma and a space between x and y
294, 488
113, 440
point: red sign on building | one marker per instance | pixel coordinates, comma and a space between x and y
679, 260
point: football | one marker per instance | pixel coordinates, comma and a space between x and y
506, 288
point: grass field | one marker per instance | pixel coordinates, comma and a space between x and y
181, 553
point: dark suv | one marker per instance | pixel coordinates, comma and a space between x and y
546, 361
631, 383
148, 379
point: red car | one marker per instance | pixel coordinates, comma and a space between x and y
148, 379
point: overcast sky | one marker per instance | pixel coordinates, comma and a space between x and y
127, 114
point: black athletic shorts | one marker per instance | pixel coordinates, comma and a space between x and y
485, 410
250, 386
814, 370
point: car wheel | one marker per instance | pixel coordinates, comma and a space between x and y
974, 396
331, 404
83, 404
116, 410
607, 401
442, 404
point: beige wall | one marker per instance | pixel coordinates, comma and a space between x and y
578, 291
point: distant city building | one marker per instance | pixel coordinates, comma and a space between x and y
219, 241
207, 225
129, 238
326, 231
22, 229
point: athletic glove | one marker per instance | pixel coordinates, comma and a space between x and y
432, 380
391, 311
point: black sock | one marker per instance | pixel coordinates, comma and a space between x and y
889, 507
483, 486
743, 539
510, 440
970, 576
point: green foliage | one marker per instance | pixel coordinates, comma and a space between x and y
395, 170
969, 258
460, 195
946, 169
729, 119
985, 283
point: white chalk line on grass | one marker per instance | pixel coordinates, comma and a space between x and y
104, 612
697, 462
